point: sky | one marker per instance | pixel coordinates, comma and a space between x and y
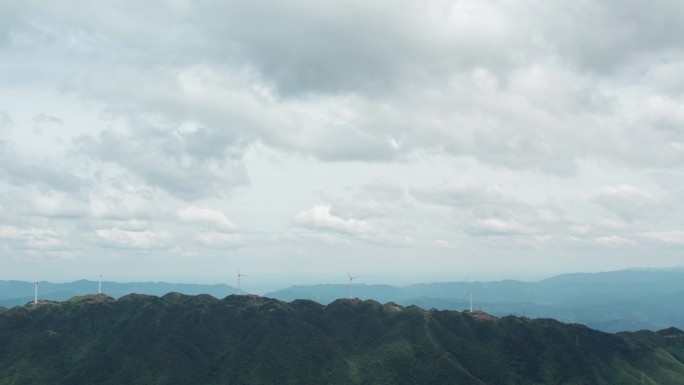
397, 140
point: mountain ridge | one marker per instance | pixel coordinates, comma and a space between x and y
247, 339
627, 300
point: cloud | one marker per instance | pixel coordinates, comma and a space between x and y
628, 202
33, 238
46, 242
377, 45
464, 192
465, 79
141, 240
377, 198
11, 21
213, 218
124, 203
497, 227
10, 232
614, 241
129, 224
38, 203
475, 123
675, 237
319, 218
43, 120
5, 120
668, 76
608, 35
218, 240
161, 158
45, 173
53, 204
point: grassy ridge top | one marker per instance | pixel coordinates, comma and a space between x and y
182, 339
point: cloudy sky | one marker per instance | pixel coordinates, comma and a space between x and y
174, 140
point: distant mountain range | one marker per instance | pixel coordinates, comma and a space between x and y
626, 300
179, 339
17, 293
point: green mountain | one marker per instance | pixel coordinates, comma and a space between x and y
179, 339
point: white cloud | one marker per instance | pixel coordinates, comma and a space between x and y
130, 224
55, 205
49, 242
219, 240
43, 173
465, 78
668, 237
474, 121
165, 159
34, 238
614, 241
10, 232
377, 198
125, 239
627, 201
467, 191
5, 121
123, 204
668, 76
319, 218
213, 218
495, 227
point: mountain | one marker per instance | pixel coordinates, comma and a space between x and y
15, 293
610, 301
180, 339
627, 300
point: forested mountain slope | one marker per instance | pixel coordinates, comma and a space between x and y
179, 339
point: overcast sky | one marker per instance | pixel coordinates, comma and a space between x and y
174, 140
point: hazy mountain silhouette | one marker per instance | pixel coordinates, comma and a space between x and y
612, 301
627, 300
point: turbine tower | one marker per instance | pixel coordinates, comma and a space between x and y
99, 286
350, 283
238, 278
35, 294
470, 294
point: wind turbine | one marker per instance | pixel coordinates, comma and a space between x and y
350, 283
99, 286
238, 278
35, 293
470, 294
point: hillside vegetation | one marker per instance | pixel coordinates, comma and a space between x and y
180, 339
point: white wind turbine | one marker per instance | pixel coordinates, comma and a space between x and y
350, 283
238, 278
35, 293
470, 294
99, 286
